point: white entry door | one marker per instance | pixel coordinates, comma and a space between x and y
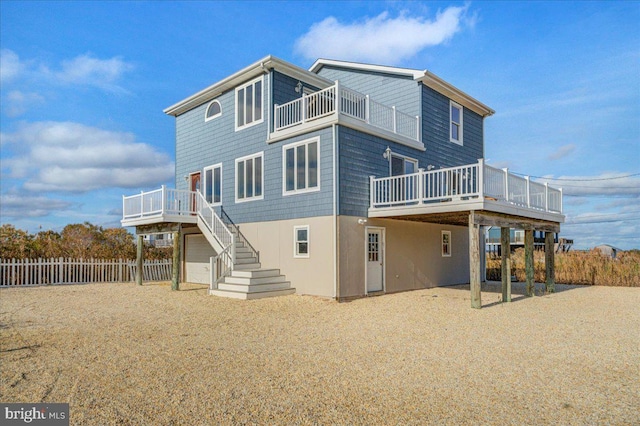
375, 259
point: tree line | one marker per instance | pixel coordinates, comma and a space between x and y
77, 241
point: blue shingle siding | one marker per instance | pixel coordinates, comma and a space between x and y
284, 90
361, 157
392, 90
200, 144
435, 132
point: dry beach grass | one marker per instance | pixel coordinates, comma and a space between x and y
122, 354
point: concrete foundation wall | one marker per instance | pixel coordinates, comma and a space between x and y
413, 258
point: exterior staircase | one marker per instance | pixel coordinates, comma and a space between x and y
248, 280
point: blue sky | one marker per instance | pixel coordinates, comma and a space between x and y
83, 86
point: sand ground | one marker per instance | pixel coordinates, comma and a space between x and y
123, 354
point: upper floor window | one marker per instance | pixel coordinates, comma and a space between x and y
301, 172
455, 118
213, 184
249, 177
213, 110
249, 104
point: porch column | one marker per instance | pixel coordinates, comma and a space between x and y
139, 259
175, 271
528, 261
549, 262
505, 248
474, 262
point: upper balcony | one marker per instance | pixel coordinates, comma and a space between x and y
339, 103
464, 188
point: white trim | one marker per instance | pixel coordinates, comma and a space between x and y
318, 64
366, 256
295, 242
439, 85
235, 177
442, 252
212, 168
206, 111
294, 145
244, 86
460, 140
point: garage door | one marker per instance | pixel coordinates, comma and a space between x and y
197, 253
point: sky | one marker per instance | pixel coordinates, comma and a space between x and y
83, 86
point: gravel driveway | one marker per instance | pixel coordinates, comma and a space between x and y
123, 354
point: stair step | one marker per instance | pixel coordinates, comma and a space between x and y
255, 273
251, 296
246, 266
244, 255
245, 260
255, 280
254, 288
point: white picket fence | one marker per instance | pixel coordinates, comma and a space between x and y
31, 272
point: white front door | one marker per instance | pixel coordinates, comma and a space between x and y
375, 259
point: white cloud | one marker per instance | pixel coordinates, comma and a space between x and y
24, 205
90, 71
16, 103
10, 65
381, 39
72, 157
562, 152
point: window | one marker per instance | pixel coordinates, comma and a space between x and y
249, 104
213, 184
301, 241
446, 243
213, 110
301, 171
249, 178
403, 165
455, 118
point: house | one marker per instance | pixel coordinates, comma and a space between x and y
608, 250
340, 181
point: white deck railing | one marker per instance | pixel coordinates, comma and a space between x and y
463, 183
349, 103
166, 201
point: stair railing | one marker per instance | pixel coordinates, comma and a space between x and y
220, 266
217, 227
226, 219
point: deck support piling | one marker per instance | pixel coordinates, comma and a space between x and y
175, 272
505, 248
528, 262
549, 262
139, 259
474, 262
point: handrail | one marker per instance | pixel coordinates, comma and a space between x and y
220, 266
214, 223
225, 217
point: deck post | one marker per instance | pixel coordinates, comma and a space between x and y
175, 272
139, 259
367, 112
505, 248
528, 262
474, 262
480, 183
549, 262
506, 184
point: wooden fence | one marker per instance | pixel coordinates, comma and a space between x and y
30, 272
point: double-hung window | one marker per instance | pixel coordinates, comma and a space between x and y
249, 178
301, 171
249, 104
455, 118
213, 184
301, 241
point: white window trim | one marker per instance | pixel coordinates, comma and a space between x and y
442, 234
235, 178
244, 86
405, 158
212, 168
286, 193
461, 129
206, 111
295, 242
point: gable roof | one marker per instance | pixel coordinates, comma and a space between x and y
426, 77
254, 70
